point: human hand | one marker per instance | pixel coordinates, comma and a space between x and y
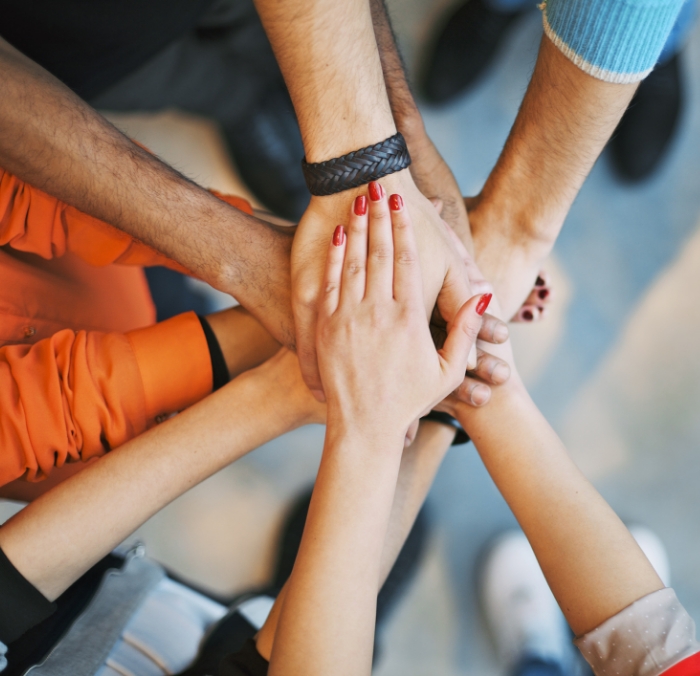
281, 374
444, 279
508, 254
379, 367
498, 362
537, 303
437, 182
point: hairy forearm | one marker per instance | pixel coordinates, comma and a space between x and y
55, 141
403, 105
328, 56
565, 120
432, 176
55, 539
590, 560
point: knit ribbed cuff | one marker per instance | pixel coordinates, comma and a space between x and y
616, 41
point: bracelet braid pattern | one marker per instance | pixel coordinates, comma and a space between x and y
358, 167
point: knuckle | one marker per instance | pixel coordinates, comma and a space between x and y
406, 257
305, 295
331, 287
355, 266
381, 252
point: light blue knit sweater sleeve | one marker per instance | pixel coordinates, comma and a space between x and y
613, 40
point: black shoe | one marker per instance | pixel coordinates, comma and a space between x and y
463, 50
645, 132
267, 149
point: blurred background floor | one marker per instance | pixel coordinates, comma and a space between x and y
616, 369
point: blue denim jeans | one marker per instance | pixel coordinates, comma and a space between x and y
675, 41
534, 666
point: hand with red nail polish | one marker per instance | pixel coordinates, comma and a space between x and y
379, 366
445, 284
537, 303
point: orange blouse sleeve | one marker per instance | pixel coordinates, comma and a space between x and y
79, 394
34, 221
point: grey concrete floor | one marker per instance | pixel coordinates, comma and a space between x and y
616, 369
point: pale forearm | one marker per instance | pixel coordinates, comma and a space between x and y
419, 464
592, 563
59, 536
55, 141
327, 619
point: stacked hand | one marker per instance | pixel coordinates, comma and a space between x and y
444, 281
378, 363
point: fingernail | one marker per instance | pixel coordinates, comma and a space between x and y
376, 192
528, 316
339, 235
396, 203
539, 281
500, 333
500, 374
483, 303
360, 205
480, 395
319, 395
543, 293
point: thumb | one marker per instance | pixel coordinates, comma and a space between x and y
462, 334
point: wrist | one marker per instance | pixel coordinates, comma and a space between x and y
365, 430
337, 207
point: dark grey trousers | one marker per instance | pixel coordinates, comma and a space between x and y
218, 70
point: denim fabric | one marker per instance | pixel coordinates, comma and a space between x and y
534, 666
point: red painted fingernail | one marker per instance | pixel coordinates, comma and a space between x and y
339, 235
539, 281
483, 303
396, 203
360, 205
376, 192
543, 293
528, 316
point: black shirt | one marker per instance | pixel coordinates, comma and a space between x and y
92, 44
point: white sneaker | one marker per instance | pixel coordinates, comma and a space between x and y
520, 610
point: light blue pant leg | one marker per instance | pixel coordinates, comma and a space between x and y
680, 30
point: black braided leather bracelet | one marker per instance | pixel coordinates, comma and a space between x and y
446, 419
358, 167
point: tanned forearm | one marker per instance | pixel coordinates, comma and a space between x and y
55, 141
432, 176
565, 120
